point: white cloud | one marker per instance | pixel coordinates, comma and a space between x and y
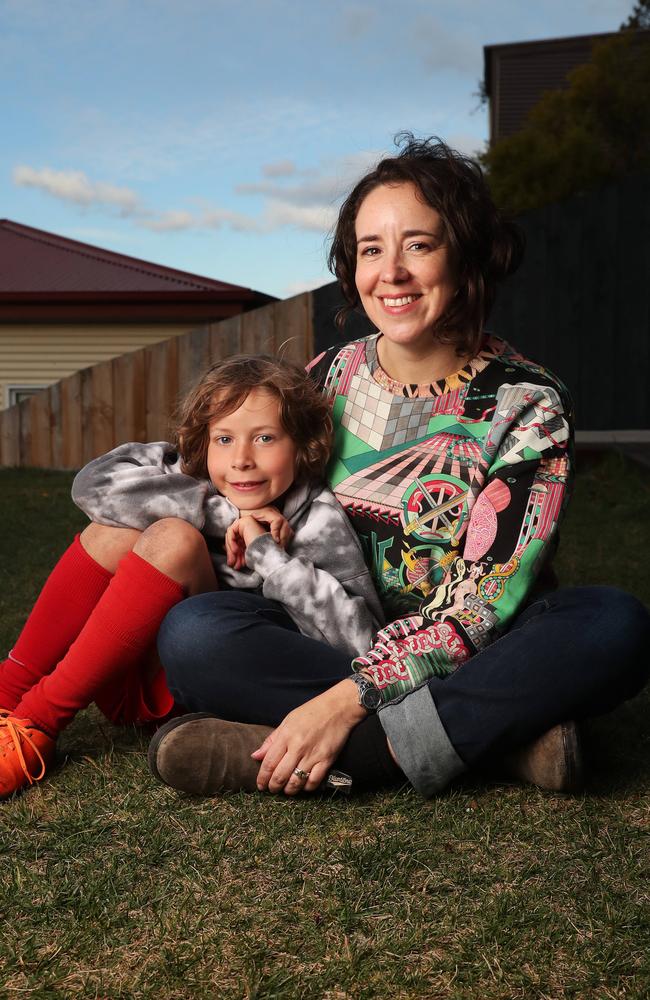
283, 168
297, 287
169, 221
74, 185
321, 189
178, 220
278, 213
308, 203
214, 218
322, 186
312, 201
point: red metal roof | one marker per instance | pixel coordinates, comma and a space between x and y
35, 265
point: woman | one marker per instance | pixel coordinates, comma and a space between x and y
453, 461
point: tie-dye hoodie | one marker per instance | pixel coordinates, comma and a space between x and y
321, 579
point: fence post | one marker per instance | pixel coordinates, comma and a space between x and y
25, 432
294, 335
10, 436
193, 358
56, 440
225, 338
39, 415
71, 436
257, 331
129, 397
161, 378
101, 408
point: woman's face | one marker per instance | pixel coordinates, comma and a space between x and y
404, 275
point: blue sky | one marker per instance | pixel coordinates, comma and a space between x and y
218, 135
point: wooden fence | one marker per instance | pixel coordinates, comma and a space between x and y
132, 397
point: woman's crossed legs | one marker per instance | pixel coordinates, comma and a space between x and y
575, 653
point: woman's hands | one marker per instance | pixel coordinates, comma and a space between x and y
309, 738
251, 525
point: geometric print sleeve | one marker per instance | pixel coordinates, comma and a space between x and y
485, 483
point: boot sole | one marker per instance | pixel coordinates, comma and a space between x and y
572, 758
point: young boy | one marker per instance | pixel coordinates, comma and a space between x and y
238, 503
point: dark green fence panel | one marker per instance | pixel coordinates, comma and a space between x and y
580, 303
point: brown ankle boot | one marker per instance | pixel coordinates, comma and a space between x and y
553, 761
203, 755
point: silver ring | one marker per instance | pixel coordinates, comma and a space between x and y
299, 773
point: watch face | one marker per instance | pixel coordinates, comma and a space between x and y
371, 698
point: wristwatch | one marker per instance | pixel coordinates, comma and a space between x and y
369, 695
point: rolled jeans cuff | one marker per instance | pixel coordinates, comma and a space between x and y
419, 741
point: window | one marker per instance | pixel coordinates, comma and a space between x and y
16, 393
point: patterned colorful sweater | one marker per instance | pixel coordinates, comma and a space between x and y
455, 490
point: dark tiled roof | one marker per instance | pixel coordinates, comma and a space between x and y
34, 263
518, 73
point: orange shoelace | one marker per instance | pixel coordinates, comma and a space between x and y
16, 733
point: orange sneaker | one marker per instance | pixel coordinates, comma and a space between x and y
25, 753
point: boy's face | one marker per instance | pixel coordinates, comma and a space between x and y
251, 458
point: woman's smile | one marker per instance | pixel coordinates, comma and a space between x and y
398, 305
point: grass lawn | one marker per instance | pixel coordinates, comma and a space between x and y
115, 887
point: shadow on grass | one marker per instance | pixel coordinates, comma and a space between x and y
617, 749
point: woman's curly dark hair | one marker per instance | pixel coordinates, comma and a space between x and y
304, 412
484, 246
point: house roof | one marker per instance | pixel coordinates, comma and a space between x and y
35, 261
516, 74
37, 267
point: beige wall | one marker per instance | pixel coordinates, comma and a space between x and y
40, 354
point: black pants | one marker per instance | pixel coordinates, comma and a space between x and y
575, 653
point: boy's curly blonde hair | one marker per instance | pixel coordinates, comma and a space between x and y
304, 412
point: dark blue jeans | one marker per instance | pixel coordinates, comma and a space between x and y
574, 653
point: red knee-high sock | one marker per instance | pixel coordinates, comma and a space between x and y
69, 595
123, 625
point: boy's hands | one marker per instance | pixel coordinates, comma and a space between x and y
239, 536
251, 525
